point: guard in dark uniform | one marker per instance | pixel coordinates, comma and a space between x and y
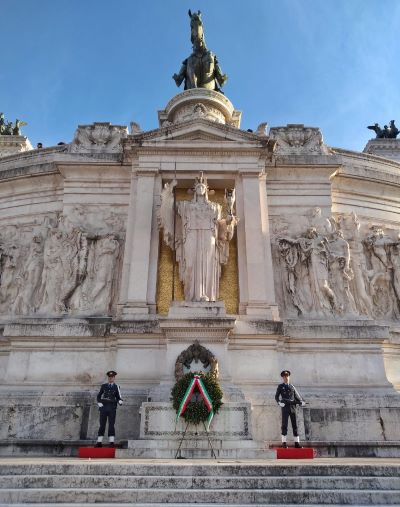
108, 399
287, 398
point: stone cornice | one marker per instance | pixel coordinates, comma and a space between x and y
369, 174
356, 155
170, 131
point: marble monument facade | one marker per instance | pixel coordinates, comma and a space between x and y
316, 263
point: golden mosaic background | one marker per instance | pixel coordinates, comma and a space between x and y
229, 285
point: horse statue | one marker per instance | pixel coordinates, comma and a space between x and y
201, 68
394, 131
388, 132
9, 128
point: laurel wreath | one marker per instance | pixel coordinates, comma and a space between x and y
196, 411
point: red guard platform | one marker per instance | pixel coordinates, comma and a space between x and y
96, 452
293, 453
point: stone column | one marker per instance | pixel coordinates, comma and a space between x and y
257, 292
137, 269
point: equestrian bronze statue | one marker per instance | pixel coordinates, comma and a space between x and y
388, 132
201, 69
8, 128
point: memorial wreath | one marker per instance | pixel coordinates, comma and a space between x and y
200, 410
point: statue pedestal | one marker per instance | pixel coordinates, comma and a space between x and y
158, 421
199, 103
388, 148
188, 309
10, 145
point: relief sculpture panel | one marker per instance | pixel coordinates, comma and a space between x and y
336, 267
56, 267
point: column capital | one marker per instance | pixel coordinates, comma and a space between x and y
251, 173
145, 171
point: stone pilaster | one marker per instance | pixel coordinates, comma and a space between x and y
257, 282
136, 295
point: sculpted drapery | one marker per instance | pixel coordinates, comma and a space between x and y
201, 240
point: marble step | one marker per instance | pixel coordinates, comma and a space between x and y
216, 496
196, 448
187, 453
162, 504
206, 482
213, 468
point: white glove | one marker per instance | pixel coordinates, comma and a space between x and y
281, 404
100, 405
120, 402
303, 403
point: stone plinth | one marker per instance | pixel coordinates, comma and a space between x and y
388, 148
230, 434
184, 309
199, 103
196, 448
203, 328
158, 420
10, 145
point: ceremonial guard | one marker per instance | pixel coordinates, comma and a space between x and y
287, 398
108, 398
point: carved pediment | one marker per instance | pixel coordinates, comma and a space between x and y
198, 130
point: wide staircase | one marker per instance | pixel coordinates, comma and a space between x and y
120, 483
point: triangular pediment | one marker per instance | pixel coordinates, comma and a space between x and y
199, 130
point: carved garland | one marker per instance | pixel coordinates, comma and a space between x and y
196, 353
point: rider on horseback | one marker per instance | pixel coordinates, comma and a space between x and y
201, 69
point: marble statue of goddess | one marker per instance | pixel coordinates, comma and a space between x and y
201, 238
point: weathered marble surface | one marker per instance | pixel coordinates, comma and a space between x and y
317, 257
11, 145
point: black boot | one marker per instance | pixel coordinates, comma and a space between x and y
284, 445
99, 444
298, 446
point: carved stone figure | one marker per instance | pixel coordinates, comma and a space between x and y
65, 256
201, 239
395, 266
29, 282
322, 225
316, 249
9, 273
341, 273
201, 69
295, 283
229, 198
350, 225
378, 246
94, 295
196, 353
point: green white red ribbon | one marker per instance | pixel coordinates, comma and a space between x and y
197, 382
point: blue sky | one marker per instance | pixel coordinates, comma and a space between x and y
332, 64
